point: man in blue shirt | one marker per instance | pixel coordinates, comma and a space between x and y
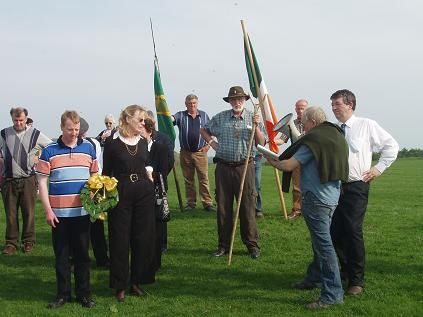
193, 155
323, 156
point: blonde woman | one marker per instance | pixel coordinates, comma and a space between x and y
132, 221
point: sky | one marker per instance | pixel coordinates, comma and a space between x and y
96, 56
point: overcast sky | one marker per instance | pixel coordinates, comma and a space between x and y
96, 57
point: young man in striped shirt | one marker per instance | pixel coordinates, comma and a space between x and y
62, 171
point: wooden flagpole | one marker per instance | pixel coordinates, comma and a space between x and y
260, 99
178, 188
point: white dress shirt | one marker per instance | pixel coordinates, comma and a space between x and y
365, 136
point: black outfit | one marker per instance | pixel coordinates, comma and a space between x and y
98, 242
132, 221
98, 238
100, 140
162, 138
160, 166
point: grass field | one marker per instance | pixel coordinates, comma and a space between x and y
192, 283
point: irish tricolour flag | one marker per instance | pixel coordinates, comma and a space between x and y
269, 112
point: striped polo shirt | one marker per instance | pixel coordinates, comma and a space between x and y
190, 138
68, 170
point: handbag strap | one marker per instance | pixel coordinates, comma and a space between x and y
162, 184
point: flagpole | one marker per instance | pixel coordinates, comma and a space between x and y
260, 99
178, 188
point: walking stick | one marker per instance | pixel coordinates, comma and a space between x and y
241, 188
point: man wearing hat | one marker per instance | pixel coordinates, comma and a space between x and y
232, 128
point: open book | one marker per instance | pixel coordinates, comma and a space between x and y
267, 152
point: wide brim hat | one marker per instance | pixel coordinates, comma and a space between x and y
235, 92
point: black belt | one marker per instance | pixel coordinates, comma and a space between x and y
134, 177
231, 163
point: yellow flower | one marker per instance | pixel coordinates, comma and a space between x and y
110, 183
95, 182
102, 216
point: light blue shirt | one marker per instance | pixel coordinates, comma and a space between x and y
327, 193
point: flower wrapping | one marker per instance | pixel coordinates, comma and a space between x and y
99, 195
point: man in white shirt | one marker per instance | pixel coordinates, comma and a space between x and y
364, 136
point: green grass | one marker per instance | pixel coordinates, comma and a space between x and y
192, 283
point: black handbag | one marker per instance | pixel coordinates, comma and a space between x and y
162, 206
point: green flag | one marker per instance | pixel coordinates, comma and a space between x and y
164, 117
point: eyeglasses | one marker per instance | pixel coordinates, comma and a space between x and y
108, 123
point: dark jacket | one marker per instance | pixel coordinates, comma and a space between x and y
330, 151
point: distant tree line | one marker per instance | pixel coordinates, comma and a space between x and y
404, 153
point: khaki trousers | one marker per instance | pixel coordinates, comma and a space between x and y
192, 162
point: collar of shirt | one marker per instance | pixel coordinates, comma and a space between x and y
349, 123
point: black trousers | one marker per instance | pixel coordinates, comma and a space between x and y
347, 231
98, 242
132, 234
71, 237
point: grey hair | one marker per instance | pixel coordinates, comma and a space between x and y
110, 117
190, 96
315, 114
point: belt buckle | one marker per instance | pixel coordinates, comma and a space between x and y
133, 178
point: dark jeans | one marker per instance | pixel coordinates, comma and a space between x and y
228, 180
20, 193
347, 231
71, 237
323, 271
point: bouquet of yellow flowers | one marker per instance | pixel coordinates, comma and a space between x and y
99, 195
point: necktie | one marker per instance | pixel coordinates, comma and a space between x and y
343, 127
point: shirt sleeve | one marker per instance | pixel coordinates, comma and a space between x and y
303, 155
43, 166
385, 144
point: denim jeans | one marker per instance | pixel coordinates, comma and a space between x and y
323, 271
257, 167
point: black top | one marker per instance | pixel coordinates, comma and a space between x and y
158, 158
118, 161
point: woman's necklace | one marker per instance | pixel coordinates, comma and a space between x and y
132, 152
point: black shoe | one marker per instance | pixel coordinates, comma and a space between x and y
220, 252
86, 302
254, 253
58, 302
